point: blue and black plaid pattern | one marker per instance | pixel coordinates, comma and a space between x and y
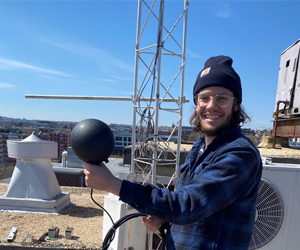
214, 204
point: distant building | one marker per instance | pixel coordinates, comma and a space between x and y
121, 141
3, 146
11, 123
248, 131
185, 132
62, 139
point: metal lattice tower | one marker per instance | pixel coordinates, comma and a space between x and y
154, 89
148, 148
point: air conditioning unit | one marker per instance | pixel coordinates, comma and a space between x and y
277, 222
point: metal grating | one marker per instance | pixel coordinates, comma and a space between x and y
269, 215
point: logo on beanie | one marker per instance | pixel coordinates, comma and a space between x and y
205, 72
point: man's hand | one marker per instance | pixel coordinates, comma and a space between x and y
151, 223
99, 177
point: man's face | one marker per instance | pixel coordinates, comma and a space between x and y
215, 118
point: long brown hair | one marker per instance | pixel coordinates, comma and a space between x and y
239, 118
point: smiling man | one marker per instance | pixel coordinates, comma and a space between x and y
217, 95
214, 204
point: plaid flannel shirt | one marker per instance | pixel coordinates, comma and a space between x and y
214, 204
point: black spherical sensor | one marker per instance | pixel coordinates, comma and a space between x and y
92, 141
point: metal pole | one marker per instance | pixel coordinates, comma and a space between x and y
97, 98
74, 97
134, 99
182, 99
159, 51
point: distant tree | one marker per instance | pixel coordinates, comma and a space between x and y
254, 139
6, 171
194, 136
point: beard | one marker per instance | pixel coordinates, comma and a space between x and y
211, 130
214, 131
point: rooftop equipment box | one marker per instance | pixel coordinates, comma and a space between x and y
288, 87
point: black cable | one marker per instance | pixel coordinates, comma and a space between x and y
111, 232
112, 221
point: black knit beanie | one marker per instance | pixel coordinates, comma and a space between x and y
218, 71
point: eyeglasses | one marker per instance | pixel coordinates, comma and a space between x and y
221, 100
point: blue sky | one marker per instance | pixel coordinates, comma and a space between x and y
88, 48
